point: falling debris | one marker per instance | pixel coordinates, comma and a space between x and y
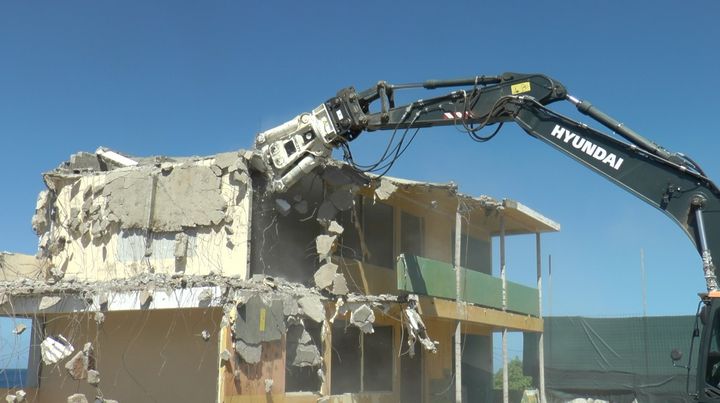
48, 301
205, 335
335, 228
205, 298
416, 328
268, 385
81, 363
339, 286
225, 356
312, 307
363, 317
385, 190
77, 398
93, 377
325, 275
55, 349
325, 244
19, 329
301, 351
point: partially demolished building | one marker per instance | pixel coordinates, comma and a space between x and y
183, 280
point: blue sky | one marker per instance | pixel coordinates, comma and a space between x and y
196, 78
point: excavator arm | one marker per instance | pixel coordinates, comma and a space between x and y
671, 182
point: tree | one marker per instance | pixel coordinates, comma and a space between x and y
516, 379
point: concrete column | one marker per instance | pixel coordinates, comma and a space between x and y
506, 386
458, 330
541, 348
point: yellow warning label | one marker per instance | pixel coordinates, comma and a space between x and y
262, 319
519, 88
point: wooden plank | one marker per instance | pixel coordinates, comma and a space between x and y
441, 308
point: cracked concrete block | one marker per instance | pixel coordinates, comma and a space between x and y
343, 199
335, 228
248, 352
93, 377
324, 245
385, 190
306, 355
283, 207
363, 317
312, 307
327, 211
339, 285
268, 385
325, 275
77, 398
48, 301
301, 207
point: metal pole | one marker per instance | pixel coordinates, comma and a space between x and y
458, 331
541, 347
506, 386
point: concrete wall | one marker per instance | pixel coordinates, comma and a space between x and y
190, 218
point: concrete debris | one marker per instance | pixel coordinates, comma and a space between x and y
20, 396
301, 207
99, 318
326, 212
181, 245
48, 301
258, 321
325, 245
301, 351
205, 335
363, 317
344, 198
268, 385
339, 285
283, 207
81, 363
385, 190
225, 356
325, 275
416, 328
93, 377
145, 298
40, 219
335, 228
55, 349
19, 329
312, 307
77, 398
83, 161
205, 298
3, 298
225, 160
11, 398
250, 353
119, 159
290, 306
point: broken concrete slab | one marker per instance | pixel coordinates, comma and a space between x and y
225, 160
48, 302
306, 355
385, 189
344, 198
312, 307
250, 353
258, 321
325, 275
363, 317
181, 245
189, 196
290, 306
77, 366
